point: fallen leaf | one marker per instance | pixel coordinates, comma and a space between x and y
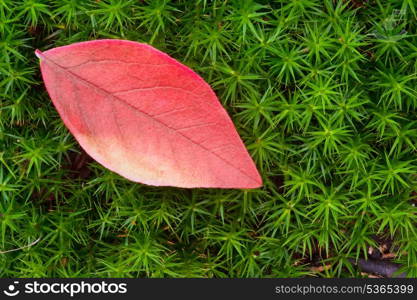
145, 116
319, 269
389, 256
369, 275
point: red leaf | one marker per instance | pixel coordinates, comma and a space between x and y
145, 116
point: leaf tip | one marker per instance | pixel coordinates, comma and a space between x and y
258, 184
39, 54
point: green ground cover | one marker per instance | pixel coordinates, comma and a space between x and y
323, 93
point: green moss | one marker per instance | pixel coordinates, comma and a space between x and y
323, 94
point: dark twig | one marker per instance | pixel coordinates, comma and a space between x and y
380, 267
